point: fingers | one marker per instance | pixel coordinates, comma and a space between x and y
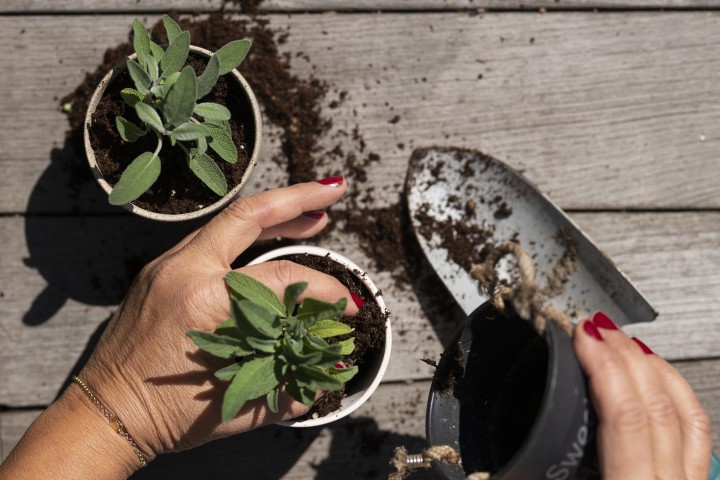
695, 422
624, 440
304, 226
242, 222
661, 412
651, 422
280, 273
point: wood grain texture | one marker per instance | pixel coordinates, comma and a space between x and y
601, 111
56, 294
355, 448
339, 5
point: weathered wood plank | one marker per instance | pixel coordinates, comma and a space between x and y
339, 5
600, 110
359, 447
55, 294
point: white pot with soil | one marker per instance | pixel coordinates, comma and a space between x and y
374, 359
199, 166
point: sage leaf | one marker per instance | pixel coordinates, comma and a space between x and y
139, 76
204, 167
171, 28
209, 77
312, 310
255, 320
156, 51
227, 373
329, 328
296, 355
346, 346
131, 96
228, 329
136, 179
232, 54
273, 400
292, 294
128, 131
190, 131
141, 42
245, 287
255, 378
170, 80
152, 68
212, 111
180, 99
219, 345
301, 393
147, 114
262, 344
176, 55
316, 379
158, 91
202, 145
222, 142
343, 374
330, 353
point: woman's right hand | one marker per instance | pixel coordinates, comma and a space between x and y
651, 424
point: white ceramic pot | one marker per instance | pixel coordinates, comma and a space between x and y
164, 217
369, 380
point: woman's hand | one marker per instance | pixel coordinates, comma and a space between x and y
651, 424
149, 373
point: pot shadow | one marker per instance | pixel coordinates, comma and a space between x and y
358, 449
84, 248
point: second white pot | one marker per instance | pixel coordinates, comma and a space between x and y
369, 380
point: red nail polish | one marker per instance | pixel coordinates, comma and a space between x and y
592, 330
339, 365
359, 302
603, 321
315, 214
335, 181
646, 350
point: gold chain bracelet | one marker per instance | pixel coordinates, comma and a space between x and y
115, 422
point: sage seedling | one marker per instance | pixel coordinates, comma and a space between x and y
165, 98
274, 341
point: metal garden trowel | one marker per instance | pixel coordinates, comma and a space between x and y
465, 200
461, 204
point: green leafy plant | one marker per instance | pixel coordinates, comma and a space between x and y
276, 341
165, 99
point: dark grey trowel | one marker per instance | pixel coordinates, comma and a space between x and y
448, 187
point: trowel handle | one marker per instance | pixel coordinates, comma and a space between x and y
714, 467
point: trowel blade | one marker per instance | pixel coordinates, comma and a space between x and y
464, 201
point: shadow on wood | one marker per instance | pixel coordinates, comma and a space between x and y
91, 258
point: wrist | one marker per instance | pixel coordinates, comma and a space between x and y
70, 439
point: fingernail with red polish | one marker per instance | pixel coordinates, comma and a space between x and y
603, 321
646, 350
315, 214
339, 365
592, 330
359, 302
335, 181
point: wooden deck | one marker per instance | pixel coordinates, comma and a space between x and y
614, 113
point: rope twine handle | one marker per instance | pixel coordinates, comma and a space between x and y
526, 298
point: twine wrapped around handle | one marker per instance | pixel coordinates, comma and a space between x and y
525, 297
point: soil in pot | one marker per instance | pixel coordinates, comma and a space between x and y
177, 190
369, 330
501, 390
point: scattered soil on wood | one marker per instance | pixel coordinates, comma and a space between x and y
369, 330
177, 190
